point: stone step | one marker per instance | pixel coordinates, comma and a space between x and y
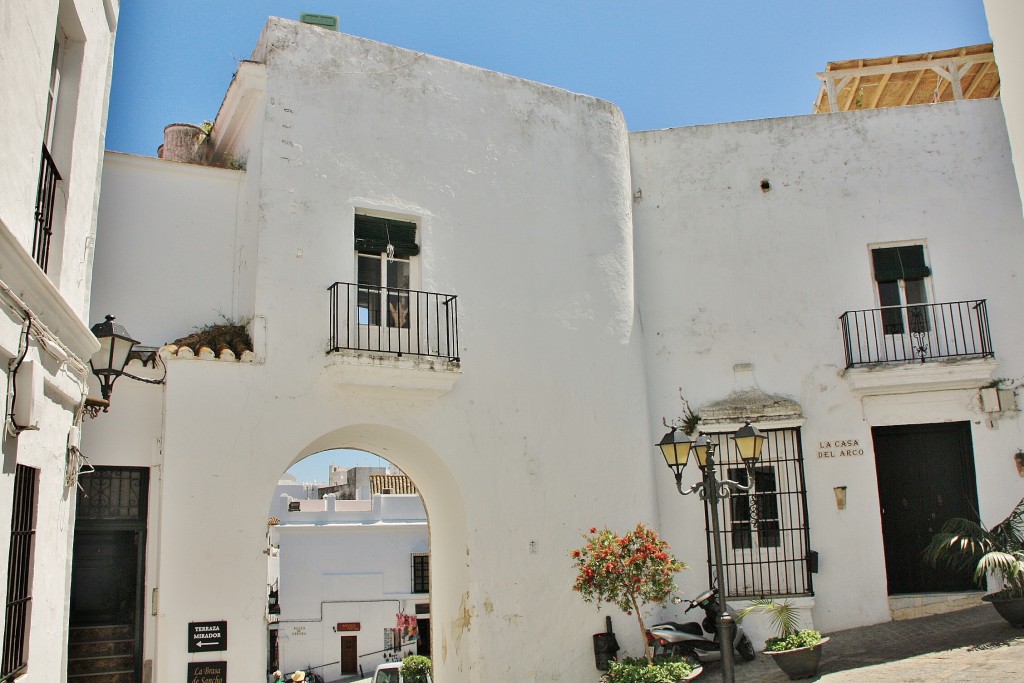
107, 677
89, 648
85, 634
100, 664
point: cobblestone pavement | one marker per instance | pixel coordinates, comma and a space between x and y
968, 645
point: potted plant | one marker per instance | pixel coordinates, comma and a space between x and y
415, 669
662, 670
999, 552
796, 651
630, 571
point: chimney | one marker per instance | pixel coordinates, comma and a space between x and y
185, 143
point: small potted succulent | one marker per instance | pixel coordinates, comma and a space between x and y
796, 651
964, 545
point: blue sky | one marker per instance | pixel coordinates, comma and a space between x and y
665, 63
317, 467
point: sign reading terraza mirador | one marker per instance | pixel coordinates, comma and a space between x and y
207, 636
840, 448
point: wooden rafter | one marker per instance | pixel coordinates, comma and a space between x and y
885, 79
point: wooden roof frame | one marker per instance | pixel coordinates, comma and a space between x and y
902, 80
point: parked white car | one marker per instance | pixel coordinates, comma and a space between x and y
390, 672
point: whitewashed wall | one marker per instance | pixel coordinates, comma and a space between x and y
522, 196
728, 273
58, 298
168, 229
1005, 21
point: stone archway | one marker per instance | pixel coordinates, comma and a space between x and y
447, 526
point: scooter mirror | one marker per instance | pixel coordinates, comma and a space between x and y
676, 600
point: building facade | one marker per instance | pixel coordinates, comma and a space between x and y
496, 287
55, 70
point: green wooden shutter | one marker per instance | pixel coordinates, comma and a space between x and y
372, 234
899, 263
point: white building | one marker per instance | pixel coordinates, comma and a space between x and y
55, 65
556, 284
347, 570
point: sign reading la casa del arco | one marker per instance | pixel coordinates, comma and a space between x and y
840, 448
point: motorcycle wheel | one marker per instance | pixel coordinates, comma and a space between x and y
746, 649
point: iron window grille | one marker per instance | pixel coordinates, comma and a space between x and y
112, 494
756, 511
420, 573
767, 539
46, 193
19, 573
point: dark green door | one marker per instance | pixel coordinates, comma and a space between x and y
925, 476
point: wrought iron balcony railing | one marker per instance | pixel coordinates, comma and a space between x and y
45, 195
390, 320
920, 332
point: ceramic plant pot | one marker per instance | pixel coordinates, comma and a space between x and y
799, 663
1012, 609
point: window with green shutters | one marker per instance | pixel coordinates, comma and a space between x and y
384, 250
900, 274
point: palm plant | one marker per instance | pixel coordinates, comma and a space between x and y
785, 619
963, 544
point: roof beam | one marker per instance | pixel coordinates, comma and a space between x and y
881, 85
977, 79
900, 67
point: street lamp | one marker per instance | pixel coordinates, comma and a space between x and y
676, 448
115, 345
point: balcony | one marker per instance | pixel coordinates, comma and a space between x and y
917, 333
45, 196
386, 320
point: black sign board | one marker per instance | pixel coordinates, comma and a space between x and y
207, 636
207, 672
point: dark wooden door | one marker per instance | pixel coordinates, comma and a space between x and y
925, 476
104, 581
349, 657
108, 576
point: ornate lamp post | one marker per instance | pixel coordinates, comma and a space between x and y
676, 447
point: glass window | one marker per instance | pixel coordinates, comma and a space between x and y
900, 274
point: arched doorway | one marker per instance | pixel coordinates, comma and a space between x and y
349, 565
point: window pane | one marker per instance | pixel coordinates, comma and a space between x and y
368, 303
892, 318
369, 269
398, 273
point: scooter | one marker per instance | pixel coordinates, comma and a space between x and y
689, 640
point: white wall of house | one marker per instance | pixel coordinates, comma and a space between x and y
1005, 21
507, 180
729, 273
346, 562
51, 378
168, 227
539, 211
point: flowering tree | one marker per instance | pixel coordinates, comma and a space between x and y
628, 571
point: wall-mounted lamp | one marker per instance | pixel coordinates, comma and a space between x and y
108, 363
